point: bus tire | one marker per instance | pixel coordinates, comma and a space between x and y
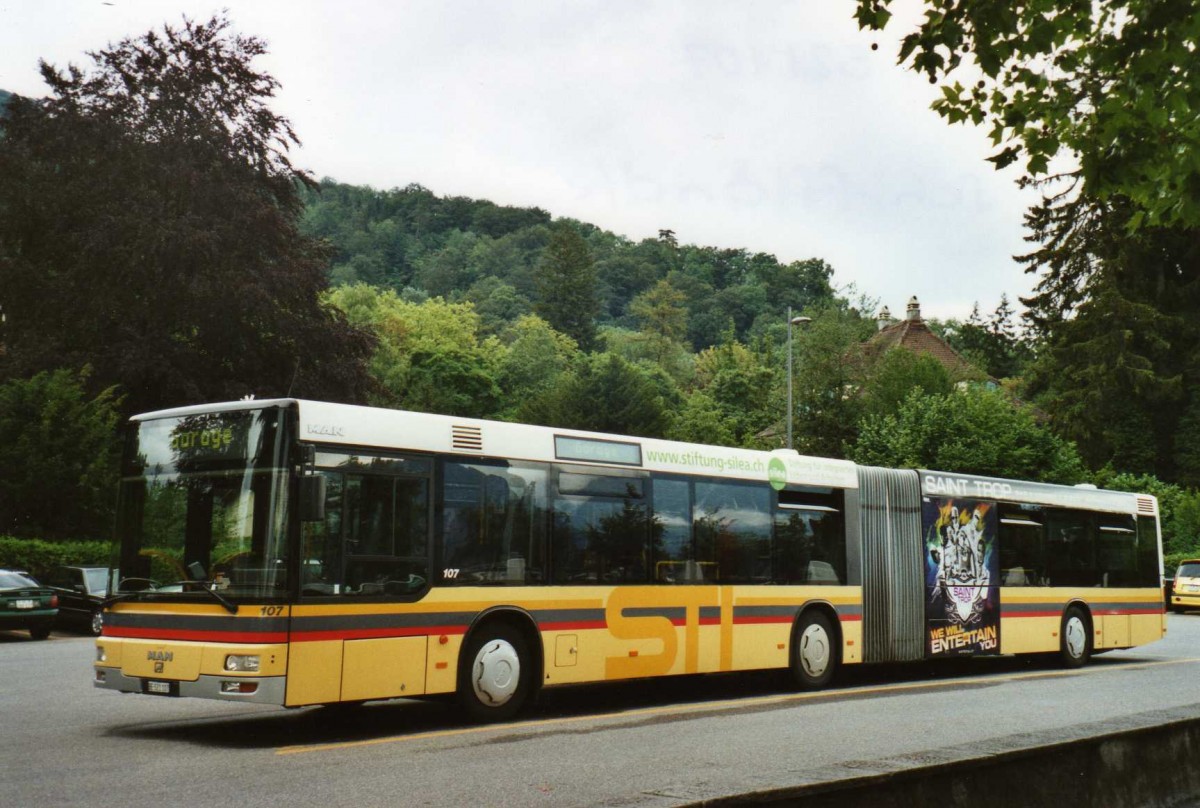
814, 652
495, 675
1075, 638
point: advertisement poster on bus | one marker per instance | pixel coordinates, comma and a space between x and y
962, 573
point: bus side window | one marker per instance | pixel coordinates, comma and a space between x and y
732, 523
1070, 549
1022, 556
1116, 550
321, 556
671, 533
600, 529
493, 524
809, 545
387, 527
1147, 543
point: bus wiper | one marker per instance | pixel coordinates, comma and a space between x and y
116, 597
206, 588
200, 578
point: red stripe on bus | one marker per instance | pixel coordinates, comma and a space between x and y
1058, 612
582, 625
375, 633
195, 635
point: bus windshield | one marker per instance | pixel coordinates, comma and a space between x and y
203, 498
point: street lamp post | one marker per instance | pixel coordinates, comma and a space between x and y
792, 321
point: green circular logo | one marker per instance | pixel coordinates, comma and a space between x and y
777, 473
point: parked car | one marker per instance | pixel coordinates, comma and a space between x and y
81, 592
26, 604
1186, 593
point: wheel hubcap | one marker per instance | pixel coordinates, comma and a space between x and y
97, 623
496, 672
1075, 636
814, 651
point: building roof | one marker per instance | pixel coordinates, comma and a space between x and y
913, 334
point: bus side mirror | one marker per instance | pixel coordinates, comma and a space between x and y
312, 498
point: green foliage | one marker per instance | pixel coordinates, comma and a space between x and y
39, 557
566, 286
472, 249
58, 456
703, 420
498, 303
660, 311
1178, 507
828, 369
736, 384
1111, 378
535, 359
148, 220
969, 431
895, 375
994, 346
604, 393
429, 357
1112, 84
647, 348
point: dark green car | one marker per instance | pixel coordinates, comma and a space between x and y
26, 604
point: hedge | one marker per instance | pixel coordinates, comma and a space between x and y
39, 557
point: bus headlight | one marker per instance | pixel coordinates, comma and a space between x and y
242, 663
100, 655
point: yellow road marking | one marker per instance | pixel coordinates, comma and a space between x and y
727, 704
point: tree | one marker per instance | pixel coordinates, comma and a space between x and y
1114, 85
58, 457
896, 374
659, 311
148, 229
993, 346
566, 286
603, 394
1111, 380
828, 371
734, 381
535, 359
703, 420
428, 355
969, 431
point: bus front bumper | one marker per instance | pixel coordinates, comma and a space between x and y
256, 689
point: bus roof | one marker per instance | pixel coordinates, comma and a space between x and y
381, 429
941, 483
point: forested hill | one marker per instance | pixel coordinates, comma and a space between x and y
4, 96
474, 250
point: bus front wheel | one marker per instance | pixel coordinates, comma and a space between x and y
1075, 639
814, 654
495, 676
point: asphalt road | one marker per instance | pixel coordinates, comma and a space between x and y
660, 743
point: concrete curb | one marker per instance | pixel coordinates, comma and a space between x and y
1145, 759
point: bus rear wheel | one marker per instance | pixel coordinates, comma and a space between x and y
495, 676
1075, 639
814, 655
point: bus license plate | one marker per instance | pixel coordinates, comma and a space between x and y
160, 688
25, 604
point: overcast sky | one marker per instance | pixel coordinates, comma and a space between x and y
770, 126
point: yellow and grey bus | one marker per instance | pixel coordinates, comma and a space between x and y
299, 553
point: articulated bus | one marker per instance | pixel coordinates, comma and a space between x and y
301, 553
